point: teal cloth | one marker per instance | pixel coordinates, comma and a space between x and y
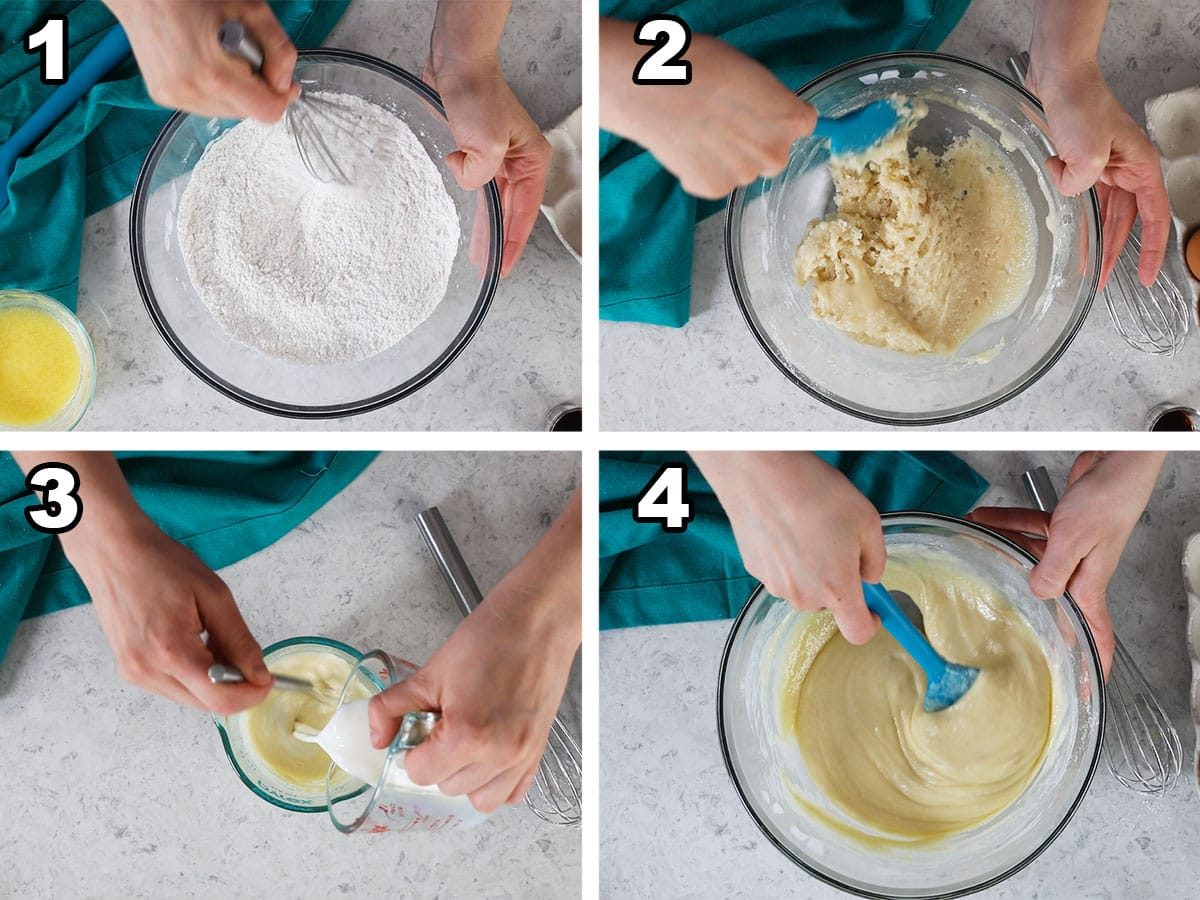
90, 159
225, 506
651, 577
646, 218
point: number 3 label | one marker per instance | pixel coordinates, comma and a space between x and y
670, 37
61, 508
665, 500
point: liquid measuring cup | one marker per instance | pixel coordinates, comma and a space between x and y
393, 803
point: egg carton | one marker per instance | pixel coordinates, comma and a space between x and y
1191, 581
1173, 122
562, 204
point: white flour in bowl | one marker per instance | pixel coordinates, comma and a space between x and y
313, 272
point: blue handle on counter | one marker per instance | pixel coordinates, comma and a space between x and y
113, 48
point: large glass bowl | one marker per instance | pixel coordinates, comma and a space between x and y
289, 388
768, 220
768, 771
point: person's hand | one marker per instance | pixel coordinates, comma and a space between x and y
1080, 544
498, 680
803, 530
153, 598
185, 67
1099, 145
733, 123
496, 138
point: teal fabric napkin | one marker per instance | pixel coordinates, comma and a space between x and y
646, 218
651, 577
224, 506
91, 158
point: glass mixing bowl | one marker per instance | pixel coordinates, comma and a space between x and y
768, 220
289, 388
246, 761
766, 768
70, 414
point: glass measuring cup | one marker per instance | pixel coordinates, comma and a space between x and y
394, 803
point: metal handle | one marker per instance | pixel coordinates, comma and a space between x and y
1040, 488
448, 558
237, 42
1018, 66
220, 674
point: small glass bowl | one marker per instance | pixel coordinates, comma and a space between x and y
289, 388
769, 219
768, 771
67, 417
245, 761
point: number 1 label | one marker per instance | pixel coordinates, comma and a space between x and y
51, 38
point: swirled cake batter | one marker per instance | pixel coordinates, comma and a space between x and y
857, 711
924, 250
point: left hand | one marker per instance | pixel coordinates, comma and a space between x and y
1081, 543
497, 683
496, 138
1100, 145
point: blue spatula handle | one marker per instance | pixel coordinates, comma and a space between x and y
113, 48
880, 602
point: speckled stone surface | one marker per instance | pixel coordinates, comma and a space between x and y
661, 771
525, 358
114, 792
712, 375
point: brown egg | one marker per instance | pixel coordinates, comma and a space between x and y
1193, 254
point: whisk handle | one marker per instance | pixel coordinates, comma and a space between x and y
449, 559
237, 42
1040, 488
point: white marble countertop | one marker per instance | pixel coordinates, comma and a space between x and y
661, 771
114, 792
525, 358
711, 374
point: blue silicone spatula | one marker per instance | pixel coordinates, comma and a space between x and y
945, 682
860, 130
113, 48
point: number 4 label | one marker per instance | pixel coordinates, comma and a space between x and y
665, 500
61, 508
670, 37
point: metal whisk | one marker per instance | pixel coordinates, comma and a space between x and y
309, 118
1141, 746
1152, 319
556, 795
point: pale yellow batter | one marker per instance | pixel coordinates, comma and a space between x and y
858, 715
924, 250
270, 724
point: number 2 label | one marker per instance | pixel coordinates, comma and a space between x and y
51, 38
670, 37
61, 508
664, 500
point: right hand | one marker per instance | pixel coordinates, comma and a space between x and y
185, 67
803, 530
154, 597
733, 123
